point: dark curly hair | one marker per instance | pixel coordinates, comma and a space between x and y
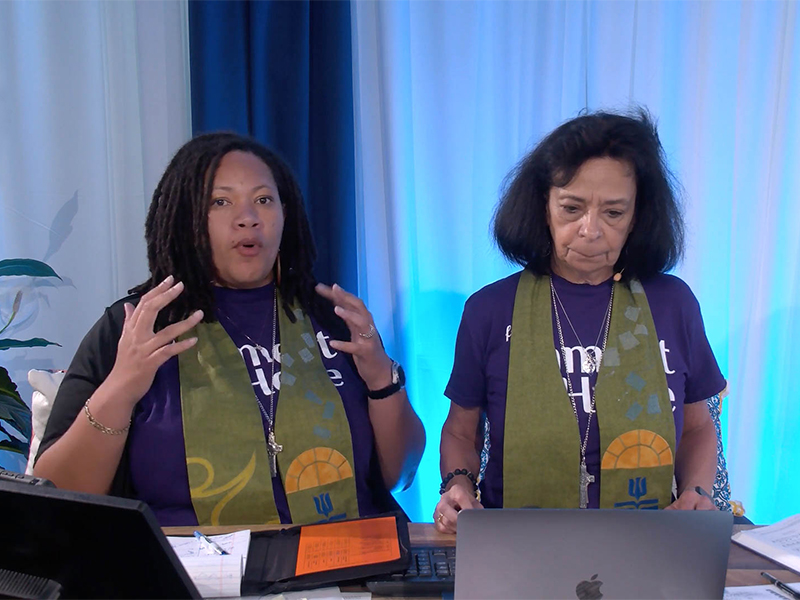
655, 244
176, 230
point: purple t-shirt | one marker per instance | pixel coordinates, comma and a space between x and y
157, 452
480, 369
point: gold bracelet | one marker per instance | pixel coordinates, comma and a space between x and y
98, 425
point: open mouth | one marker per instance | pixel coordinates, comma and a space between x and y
248, 247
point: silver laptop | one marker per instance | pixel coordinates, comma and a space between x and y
591, 554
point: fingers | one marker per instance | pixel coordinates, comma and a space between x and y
164, 353
445, 516
160, 288
356, 320
174, 331
452, 502
352, 310
340, 297
155, 300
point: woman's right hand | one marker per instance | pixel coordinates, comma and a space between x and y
454, 500
140, 351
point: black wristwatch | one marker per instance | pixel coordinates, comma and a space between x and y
398, 383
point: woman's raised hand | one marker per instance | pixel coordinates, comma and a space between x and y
141, 351
372, 362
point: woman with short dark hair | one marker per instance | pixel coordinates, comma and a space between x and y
172, 397
583, 377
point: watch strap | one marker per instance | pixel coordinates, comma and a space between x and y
398, 383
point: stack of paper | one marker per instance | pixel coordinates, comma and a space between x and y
757, 592
780, 542
216, 576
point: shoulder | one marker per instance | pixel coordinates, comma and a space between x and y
666, 283
488, 312
490, 297
669, 290
117, 309
112, 320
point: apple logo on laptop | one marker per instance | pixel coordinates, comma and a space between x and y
589, 590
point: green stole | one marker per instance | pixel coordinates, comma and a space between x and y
226, 450
541, 456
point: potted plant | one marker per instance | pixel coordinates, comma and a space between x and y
15, 416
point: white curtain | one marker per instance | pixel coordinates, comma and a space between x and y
94, 100
450, 95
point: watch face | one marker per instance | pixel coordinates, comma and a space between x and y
395, 371
398, 375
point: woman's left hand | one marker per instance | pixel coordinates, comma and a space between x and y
373, 364
692, 500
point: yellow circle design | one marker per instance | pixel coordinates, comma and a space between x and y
316, 467
636, 449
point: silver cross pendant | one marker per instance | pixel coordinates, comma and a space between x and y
586, 479
273, 448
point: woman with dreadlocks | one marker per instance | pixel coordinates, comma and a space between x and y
158, 403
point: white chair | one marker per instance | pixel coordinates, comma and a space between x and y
45, 386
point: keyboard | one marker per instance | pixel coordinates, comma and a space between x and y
432, 571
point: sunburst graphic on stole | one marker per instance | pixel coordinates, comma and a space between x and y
315, 467
640, 448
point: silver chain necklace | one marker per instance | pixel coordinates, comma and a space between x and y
273, 447
585, 477
591, 362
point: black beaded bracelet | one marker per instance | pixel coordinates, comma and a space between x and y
452, 474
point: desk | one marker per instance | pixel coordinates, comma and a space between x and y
744, 566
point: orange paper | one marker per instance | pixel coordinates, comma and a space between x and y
331, 546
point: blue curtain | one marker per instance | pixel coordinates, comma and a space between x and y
281, 72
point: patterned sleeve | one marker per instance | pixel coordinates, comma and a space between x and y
721, 492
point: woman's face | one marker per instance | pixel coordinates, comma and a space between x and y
245, 221
590, 219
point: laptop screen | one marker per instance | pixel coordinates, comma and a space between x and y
93, 546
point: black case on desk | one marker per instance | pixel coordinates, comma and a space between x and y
272, 559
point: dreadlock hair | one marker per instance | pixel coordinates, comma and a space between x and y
176, 230
655, 245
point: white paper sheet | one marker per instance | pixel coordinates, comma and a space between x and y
236, 544
757, 592
780, 541
214, 575
329, 593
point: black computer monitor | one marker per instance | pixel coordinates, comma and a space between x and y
93, 546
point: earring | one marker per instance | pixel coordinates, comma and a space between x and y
618, 276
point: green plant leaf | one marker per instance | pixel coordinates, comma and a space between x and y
7, 386
19, 417
14, 445
13, 409
31, 343
14, 310
26, 266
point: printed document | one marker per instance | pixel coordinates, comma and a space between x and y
780, 542
215, 575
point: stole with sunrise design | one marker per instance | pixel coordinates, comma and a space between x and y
227, 459
541, 457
